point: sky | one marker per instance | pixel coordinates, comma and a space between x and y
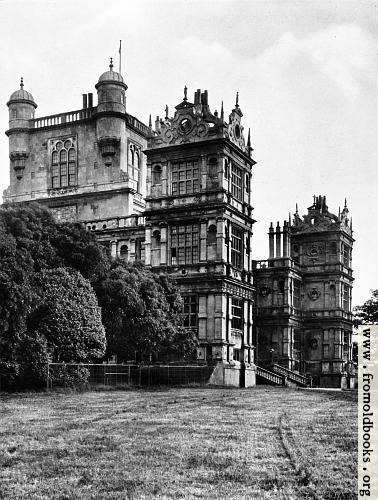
306, 72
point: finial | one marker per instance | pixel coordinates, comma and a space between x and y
296, 209
185, 93
166, 110
150, 122
249, 138
345, 204
111, 64
351, 223
237, 100
222, 112
22, 82
289, 219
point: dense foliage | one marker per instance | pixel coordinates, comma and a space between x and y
43, 301
50, 312
142, 315
368, 312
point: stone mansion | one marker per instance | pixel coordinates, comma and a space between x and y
176, 195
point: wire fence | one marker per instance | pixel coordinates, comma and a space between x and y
117, 375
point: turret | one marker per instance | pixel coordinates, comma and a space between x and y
21, 113
111, 91
111, 110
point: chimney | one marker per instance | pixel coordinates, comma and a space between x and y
271, 241
278, 240
85, 103
157, 124
90, 100
197, 96
204, 98
285, 249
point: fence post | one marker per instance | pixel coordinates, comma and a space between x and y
129, 376
140, 376
47, 376
168, 375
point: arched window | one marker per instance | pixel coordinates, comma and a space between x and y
124, 252
63, 168
135, 164
156, 174
63, 163
155, 239
212, 235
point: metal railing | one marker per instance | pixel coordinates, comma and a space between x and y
116, 375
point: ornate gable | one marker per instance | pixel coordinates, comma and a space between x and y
193, 122
319, 218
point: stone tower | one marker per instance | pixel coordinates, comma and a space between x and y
86, 165
21, 113
303, 317
199, 228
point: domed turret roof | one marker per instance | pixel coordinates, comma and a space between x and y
111, 76
22, 95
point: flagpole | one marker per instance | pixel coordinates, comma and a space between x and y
120, 52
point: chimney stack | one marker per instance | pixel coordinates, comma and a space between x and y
271, 241
85, 103
278, 240
90, 100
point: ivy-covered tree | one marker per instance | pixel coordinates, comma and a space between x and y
142, 315
368, 312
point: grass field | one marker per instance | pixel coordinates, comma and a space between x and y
259, 443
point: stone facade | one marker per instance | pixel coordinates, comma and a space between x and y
199, 227
178, 197
303, 317
86, 165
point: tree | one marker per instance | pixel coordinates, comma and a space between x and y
63, 325
368, 312
142, 314
48, 244
37, 315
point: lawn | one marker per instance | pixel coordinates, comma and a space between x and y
258, 443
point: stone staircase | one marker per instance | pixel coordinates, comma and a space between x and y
279, 375
264, 376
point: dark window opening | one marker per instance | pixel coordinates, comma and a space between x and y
297, 294
212, 235
185, 177
184, 244
124, 252
190, 311
236, 182
156, 174
236, 247
237, 313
